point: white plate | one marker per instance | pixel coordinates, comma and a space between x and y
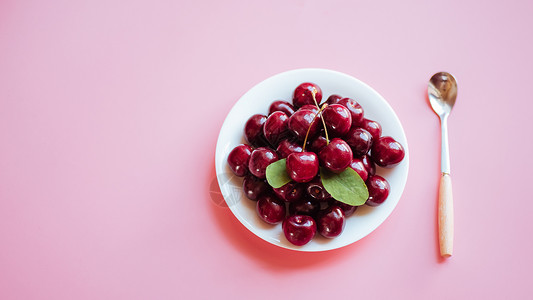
280, 87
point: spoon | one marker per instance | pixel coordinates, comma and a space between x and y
442, 92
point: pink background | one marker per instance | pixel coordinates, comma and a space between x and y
110, 111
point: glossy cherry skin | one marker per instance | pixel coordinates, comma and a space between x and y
270, 208
290, 192
316, 190
299, 229
287, 147
336, 156
303, 94
331, 222
378, 190
358, 166
359, 140
318, 143
260, 159
311, 107
276, 128
338, 120
387, 152
239, 158
253, 131
305, 206
333, 99
373, 127
253, 187
282, 106
356, 110
370, 166
346, 208
302, 121
302, 166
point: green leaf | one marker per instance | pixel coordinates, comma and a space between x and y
347, 186
276, 174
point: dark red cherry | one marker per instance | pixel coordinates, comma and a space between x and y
303, 94
299, 229
302, 121
359, 167
373, 127
239, 158
336, 156
282, 106
302, 166
304, 206
290, 192
387, 152
276, 128
338, 120
270, 208
311, 107
355, 109
260, 159
370, 166
287, 147
253, 131
318, 143
346, 208
331, 222
333, 99
316, 190
359, 140
253, 187
378, 190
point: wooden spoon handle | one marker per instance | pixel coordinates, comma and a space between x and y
446, 216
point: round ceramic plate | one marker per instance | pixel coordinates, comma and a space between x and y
281, 87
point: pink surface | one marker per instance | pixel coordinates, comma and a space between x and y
110, 111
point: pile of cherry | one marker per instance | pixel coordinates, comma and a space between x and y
334, 135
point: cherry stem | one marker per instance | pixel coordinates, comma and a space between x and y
323, 122
309, 129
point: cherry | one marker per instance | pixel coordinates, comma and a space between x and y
316, 190
373, 127
253, 187
305, 206
239, 158
331, 222
387, 152
302, 121
302, 166
370, 166
359, 140
355, 109
283, 106
270, 208
260, 159
358, 166
318, 143
346, 208
378, 190
333, 99
287, 147
336, 156
299, 229
290, 192
311, 107
303, 94
338, 120
253, 130
276, 128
